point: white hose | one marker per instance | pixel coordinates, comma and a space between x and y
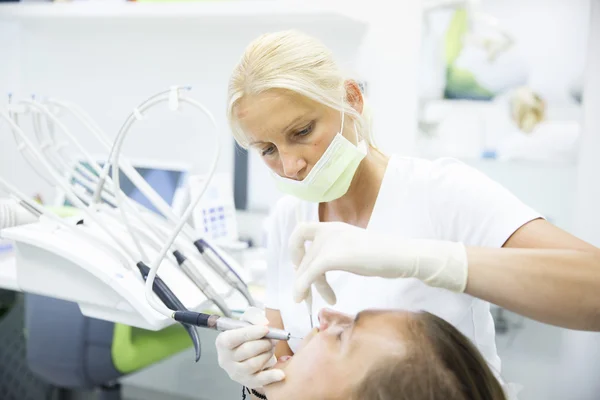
65, 185
116, 151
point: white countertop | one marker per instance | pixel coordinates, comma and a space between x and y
8, 272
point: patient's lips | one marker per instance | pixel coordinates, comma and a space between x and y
284, 360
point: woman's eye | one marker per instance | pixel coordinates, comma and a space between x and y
305, 131
269, 150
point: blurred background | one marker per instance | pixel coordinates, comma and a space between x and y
508, 86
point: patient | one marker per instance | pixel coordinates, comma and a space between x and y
385, 355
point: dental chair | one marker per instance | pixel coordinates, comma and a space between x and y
17, 381
71, 351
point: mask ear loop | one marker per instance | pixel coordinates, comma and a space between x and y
343, 117
354, 122
358, 137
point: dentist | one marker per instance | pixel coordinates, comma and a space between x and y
369, 230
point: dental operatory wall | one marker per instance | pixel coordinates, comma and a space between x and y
134, 58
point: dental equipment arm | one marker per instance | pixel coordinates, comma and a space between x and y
13, 213
187, 265
42, 212
216, 259
114, 156
60, 182
51, 149
79, 204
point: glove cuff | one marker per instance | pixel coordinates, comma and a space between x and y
448, 267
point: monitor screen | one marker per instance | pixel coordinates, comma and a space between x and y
165, 180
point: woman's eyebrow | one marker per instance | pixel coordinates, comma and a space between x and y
358, 317
256, 142
294, 122
355, 323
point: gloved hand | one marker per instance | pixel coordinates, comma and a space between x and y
245, 355
344, 247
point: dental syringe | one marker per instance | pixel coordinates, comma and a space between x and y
219, 323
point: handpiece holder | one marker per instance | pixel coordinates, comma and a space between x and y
58, 263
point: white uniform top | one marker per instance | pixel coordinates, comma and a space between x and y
443, 199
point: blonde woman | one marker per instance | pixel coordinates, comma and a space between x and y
390, 232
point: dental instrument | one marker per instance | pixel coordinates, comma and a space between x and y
222, 324
79, 204
308, 302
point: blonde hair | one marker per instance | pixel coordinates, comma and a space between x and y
297, 62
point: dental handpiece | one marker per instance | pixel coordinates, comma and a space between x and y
222, 324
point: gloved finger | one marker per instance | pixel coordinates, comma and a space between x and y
268, 377
322, 286
310, 255
270, 363
314, 253
325, 290
252, 349
254, 364
313, 256
304, 232
255, 316
236, 337
305, 279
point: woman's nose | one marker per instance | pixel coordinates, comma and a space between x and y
328, 317
292, 166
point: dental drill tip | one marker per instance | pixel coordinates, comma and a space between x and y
294, 337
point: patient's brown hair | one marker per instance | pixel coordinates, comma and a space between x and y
440, 364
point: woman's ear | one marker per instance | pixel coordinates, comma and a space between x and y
354, 95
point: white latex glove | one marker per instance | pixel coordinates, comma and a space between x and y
343, 247
245, 355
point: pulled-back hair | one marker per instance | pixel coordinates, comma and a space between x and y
291, 60
440, 364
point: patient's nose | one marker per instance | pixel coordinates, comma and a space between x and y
329, 317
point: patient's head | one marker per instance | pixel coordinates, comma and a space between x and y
384, 355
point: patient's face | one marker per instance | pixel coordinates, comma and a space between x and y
331, 361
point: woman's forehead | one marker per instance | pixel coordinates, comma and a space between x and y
271, 111
382, 329
271, 101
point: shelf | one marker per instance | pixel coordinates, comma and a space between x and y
271, 10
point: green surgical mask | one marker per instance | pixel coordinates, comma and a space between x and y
331, 177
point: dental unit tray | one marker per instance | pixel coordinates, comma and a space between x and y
56, 262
